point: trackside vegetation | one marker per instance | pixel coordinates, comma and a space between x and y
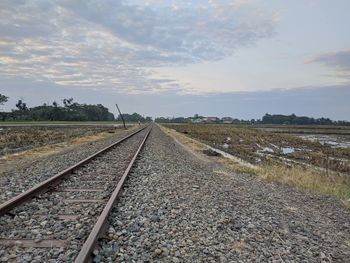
283, 158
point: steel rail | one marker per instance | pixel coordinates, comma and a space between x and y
54, 180
101, 225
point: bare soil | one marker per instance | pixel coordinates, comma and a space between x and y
259, 146
17, 139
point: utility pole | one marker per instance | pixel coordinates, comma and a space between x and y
121, 115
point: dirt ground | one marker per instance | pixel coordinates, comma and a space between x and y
17, 139
259, 146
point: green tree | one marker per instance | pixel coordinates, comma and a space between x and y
21, 106
3, 99
22, 113
71, 111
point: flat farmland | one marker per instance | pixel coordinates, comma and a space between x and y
19, 138
278, 151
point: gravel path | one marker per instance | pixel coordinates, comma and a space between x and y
26, 174
59, 216
176, 208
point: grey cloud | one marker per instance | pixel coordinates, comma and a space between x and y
18, 19
339, 60
185, 35
110, 43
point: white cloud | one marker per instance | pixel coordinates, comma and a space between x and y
112, 44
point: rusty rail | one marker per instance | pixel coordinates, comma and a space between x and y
102, 222
54, 180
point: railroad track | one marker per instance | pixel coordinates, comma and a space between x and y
62, 218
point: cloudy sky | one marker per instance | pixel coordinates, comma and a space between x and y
238, 58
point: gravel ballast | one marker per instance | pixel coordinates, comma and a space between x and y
68, 213
177, 208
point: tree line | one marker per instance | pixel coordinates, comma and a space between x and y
266, 119
69, 111
299, 120
74, 111
135, 117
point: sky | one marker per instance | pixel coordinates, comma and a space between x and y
239, 58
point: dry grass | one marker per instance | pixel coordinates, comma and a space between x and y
306, 129
15, 139
248, 143
307, 179
239, 167
24, 158
296, 176
53, 148
300, 177
304, 178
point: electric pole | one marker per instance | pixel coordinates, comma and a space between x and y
121, 116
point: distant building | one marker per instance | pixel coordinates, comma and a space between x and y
198, 120
211, 119
226, 120
236, 121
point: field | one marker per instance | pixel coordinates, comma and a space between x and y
59, 123
14, 139
297, 152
